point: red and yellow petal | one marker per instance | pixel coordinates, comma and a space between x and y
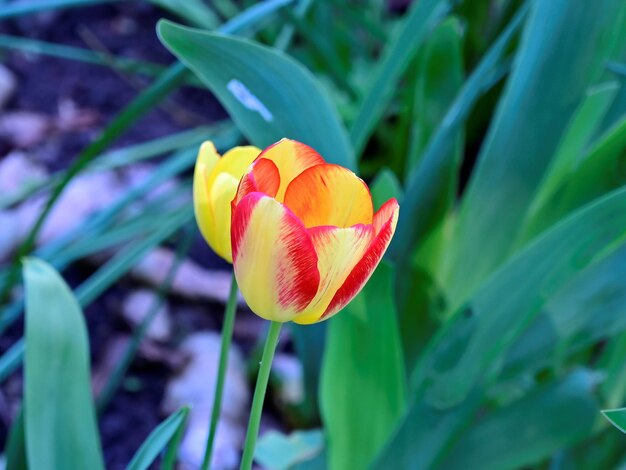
291, 159
330, 195
338, 251
385, 221
274, 258
262, 177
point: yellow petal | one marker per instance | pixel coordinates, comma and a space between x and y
215, 185
222, 193
235, 162
206, 161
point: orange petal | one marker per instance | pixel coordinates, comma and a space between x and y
338, 251
292, 158
273, 257
330, 195
262, 177
385, 222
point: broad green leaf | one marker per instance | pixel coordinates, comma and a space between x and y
562, 52
396, 56
589, 308
428, 190
423, 433
15, 449
571, 151
276, 451
195, 12
469, 347
268, 94
613, 388
440, 76
525, 432
384, 187
158, 440
363, 386
60, 418
485, 326
599, 171
617, 418
618, 108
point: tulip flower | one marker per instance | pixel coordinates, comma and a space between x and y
305, 238
215, 184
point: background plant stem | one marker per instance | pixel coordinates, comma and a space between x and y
227, 336
259, 394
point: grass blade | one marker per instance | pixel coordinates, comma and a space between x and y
158, 440
420, 19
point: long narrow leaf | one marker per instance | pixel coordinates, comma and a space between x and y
421, 18
562, 52
61, 430
449, 381
527, 431
158, 439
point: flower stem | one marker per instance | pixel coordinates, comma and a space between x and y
259, 394
227, 336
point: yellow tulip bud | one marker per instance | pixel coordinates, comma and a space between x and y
215, 184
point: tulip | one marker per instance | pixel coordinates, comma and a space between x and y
305, 238
215, 184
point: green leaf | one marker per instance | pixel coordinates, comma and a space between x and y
613, 388
194, 12
276, 451
363, 388
466, 351
423, 433
384, 187
309, 343
268, 94
396, 56
60, 418
28, 8
571, 152
440, 78
482, 329
599, 171
158, 439
617, 418
589, 308
564, 46
525, 432
15, 450
427, 192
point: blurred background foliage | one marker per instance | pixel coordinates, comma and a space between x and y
494, 332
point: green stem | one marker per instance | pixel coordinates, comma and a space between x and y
227, 336
259, 394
